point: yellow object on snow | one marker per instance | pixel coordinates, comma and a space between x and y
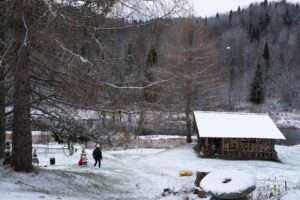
185, 173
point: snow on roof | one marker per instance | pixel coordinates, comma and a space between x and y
236, 125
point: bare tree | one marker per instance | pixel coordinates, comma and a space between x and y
2, 96
2, 112
46, 55
191, 61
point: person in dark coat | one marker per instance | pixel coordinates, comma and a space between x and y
97, 154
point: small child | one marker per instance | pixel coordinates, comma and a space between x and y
80, 162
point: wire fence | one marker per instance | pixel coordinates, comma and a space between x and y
273, 188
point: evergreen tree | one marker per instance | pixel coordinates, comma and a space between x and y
239, 10
266, 56
250, 31
253, 32
217, 15
242, 21
265, 3
287, 19
257, 88
256, 33
151, 57
264, 20
230, 17
150, 93
150, 62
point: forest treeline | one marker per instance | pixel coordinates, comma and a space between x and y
260, 40
264, 36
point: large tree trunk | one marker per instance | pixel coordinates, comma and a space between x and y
2, 96
2, 113
21, 138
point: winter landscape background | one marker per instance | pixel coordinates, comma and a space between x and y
128, 74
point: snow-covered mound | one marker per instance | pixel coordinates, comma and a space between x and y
225, 184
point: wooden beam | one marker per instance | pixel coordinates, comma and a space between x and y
256, 148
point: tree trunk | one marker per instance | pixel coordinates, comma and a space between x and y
2, 95
140, 123
188, 111
69, 144
2, 112
21, 137
103, 116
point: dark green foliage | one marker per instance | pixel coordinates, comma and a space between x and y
287, 19
151, 57
150, 93
217, 15
230, 17
275, 23
150, 62
253, 32
239, 10
264, 20
266, 56
265, 3
257, 87
242, 21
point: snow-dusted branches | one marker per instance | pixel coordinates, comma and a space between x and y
25, 41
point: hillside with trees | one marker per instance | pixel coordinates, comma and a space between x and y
265, 34
139, 76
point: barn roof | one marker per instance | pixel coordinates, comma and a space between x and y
236, 125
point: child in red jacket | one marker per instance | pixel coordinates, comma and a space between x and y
80, 162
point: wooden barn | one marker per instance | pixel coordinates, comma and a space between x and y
236, 135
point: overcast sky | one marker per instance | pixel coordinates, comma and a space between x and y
208, 8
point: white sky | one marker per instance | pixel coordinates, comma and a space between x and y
208, 8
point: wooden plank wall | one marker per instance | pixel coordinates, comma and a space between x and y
233, 148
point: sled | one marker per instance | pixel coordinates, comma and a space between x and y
185, 173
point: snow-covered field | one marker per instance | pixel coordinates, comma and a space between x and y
286, 119
133, 174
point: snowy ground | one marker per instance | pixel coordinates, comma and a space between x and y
133, 174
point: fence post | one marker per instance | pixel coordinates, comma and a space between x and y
285, 186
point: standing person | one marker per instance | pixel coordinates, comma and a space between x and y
97, 154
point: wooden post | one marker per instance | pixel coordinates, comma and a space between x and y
272, 150
222, 147
285, 186
195, 129
239, 148
256, 148
248, 142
